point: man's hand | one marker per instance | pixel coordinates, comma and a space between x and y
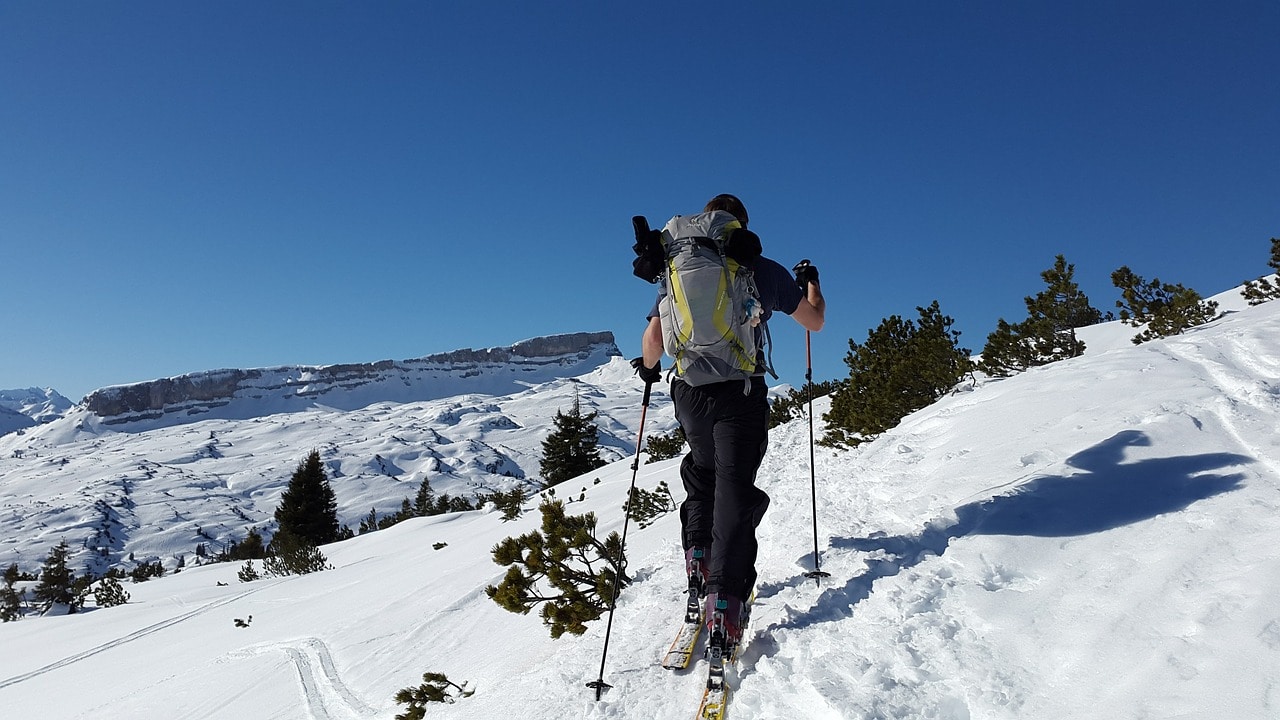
805, 273
649, 375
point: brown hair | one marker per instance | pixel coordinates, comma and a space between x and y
729, 204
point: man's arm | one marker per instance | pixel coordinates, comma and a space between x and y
651, 342
811, 313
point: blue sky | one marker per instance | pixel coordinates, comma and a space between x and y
189, 186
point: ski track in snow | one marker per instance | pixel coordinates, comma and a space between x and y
144, 632
327, 697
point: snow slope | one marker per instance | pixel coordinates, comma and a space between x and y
1092, 539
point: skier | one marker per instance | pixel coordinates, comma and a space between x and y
726, 425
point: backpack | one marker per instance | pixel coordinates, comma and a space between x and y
711, 309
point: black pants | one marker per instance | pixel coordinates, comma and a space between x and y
728, 432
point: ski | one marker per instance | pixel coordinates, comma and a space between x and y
715, 698
721, 654
680, 654
682, 648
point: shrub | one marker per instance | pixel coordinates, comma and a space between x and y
435, 687
1165, 309
901, 368
564, 567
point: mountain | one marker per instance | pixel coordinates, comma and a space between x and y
26, 407
1095, 538
155, 470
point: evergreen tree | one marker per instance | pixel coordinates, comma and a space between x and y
572, 448
565, 567
902, 367
1166, 309
795, 403
645, 506
308, 508
664, 447
1049, 332
435, 687
424, 500
110, 593
251, 548
510, 503
57, 584
1264, 289
11, 597
290, 554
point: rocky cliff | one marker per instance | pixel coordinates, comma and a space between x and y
235, 393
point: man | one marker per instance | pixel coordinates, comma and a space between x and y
726, 425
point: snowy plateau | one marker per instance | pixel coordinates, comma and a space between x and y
1096, 538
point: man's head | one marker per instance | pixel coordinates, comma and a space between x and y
729, 204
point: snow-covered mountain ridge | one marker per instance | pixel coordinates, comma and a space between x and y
154, 470
25, 407
243, 394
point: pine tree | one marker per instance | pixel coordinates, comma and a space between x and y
1165, 309
1049, 332
110, 593
57, 584
572, 448
902, 367
308, 508
435, 687
424, 500
664, 447
251, 548
1264, 289
290, 554
11, 597
509, 503
645, 506
564, 567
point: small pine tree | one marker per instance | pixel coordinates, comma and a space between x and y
794, 404
147, 570
290, 554
57, 584
308, 508
1049, 332
664, 447
646, 506
370, 523
1165, 309
572, 448
565, 568
251, 548
110, 593
11, 598
1264, 289
901, 368
424, 500
248, 573
435, 687
510, 503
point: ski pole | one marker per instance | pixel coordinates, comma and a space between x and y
599, 684
817, 573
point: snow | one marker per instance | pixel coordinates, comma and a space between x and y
1091, 539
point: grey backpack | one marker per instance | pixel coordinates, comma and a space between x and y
710, 310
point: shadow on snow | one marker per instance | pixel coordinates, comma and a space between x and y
1107, 494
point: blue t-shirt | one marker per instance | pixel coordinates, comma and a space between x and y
778, 291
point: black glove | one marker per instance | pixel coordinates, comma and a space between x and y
805, 274
649, 375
